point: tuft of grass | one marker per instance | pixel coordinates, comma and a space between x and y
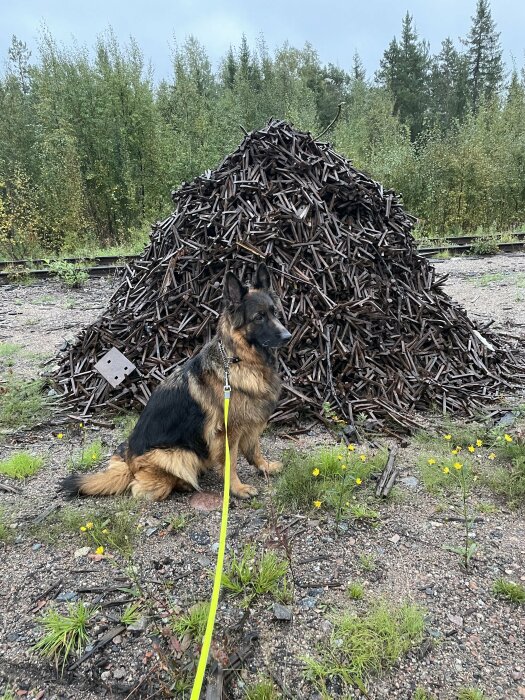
9, 350
22, 402
8, 694
361, 512
421, 694
131, 614
64, 634
6, 533
125, 423
91, 455
487, 278
485, 507
366, 645
253, 575
21, 465
507, 478
340, 473
508, 590
356, 590
367, 562
262, 690
193, 622
72, 275
471, 694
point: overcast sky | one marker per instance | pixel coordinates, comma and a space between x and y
335, 28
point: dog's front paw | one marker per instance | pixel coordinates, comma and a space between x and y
270, 467
244, 490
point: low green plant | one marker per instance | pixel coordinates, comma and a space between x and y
9, 350
365, 645
89, 456
115, 532
65, 635
363, 513
484, 246
193, 622
514, 592
8, 694
179, 522
356, 590
72, 275
254, 574
262, 690
326, 478
422, 694
21, 465
22, 402
367, 562
131, 614
488, 278
460, 475
471, 694
507, 477
6, 533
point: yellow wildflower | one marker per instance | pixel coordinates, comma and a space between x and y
492, 455
60, 436
81, 425
83, 528
93, 456
351, 447
457, 465
358, 481
446, 470
105, 531
362, 458
343, 466
431, 461
479, 443
317, 504
508, 438
447, 436
89, 526
340, 458
458, 448
99, 550
316, 472
471, 448
454, 452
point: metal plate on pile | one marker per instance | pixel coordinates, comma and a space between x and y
114, 367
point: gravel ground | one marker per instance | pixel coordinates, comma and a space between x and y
471, 638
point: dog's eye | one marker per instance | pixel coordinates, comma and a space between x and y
258, 317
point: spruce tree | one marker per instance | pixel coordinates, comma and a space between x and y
484, 56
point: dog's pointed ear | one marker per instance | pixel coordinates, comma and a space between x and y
234, 291
262, 278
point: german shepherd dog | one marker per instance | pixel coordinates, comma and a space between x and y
180, 433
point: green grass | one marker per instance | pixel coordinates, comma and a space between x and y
433, 476
125, 423
113, 526
487, 278
507, 476
8, 694
254, 574
131, 614
421, 694
193, 622
339, 469
262, 690
367, 562
356, 590
65, 635
6, 533
89, 456
514, 592
363, 646
21, 465
471, 694
22, 402
9, 350
363, 513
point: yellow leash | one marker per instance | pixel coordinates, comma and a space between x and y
206, 642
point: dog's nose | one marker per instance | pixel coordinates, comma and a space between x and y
285, 336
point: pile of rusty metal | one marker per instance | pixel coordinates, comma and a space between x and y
373, 330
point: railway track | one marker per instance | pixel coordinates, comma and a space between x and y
12, 271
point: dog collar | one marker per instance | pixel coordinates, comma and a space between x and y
226, 362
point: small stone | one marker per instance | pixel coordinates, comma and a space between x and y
204, 561
395, 539
410, 482
456, 620
326, 627
199, 537
206, 501
521, 691
119, 673
282, 612
151, 531
516, 675
308, 603
117, 640
82, 552
139, 626
105, 675
36, 546
66, 596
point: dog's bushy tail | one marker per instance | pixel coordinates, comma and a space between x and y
114, 480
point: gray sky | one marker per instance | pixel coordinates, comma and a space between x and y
336, 29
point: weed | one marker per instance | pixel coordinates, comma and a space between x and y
484, 246
8, 350
421, 694
443, 255
361, 646
253, 575
460, 474
90, 455
125, 423
508, 590
72, 275
327, 477
194, 622
65, 634
367, 562
508, 478
179, 522
6, 532
22, 402
116, 532
484, 507
131, 614
8, 694
262, 690
471, 694
21, 465
356, 590
488, 278
361, 512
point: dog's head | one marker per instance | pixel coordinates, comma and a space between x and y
252, 310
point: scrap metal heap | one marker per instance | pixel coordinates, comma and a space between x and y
373, 330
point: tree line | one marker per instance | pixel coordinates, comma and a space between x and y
90, 145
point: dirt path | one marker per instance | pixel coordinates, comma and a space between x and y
471, 639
